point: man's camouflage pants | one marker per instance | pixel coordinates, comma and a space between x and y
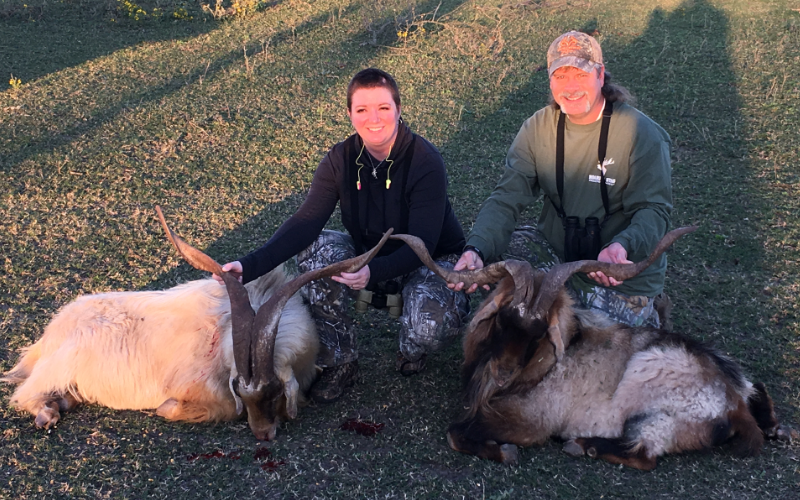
527, 243
432, 313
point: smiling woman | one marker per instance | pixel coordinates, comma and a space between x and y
376, 117
383, 176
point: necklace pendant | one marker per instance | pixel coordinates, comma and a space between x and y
375, 172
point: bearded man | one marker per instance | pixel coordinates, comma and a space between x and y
604, 170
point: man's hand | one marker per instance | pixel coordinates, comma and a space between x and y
471, 261
614, 254
235, 268
357, 280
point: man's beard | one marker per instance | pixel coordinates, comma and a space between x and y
564, 95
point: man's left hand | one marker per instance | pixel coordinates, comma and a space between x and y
615, 254
357, 280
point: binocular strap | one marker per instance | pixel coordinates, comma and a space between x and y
602, 145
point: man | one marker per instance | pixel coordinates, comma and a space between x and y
620, 177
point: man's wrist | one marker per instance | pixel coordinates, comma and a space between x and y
474, 249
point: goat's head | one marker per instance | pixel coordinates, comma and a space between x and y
253, 381
503, 337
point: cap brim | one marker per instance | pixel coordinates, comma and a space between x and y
575, 62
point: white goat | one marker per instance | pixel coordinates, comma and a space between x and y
171, 350
181, 351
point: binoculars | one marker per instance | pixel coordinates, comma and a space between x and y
581, 243
385, 296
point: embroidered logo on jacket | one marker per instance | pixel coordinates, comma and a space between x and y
603, 168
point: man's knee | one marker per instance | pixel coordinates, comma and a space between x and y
529, 244
632, 310
432, 315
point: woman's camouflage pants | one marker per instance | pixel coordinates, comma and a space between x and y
527, 243
432, 313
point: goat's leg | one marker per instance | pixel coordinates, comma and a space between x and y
68, 402
197, 410
43, 393
616, 451
182, 410
457, 438
495, 436
761, 407
48, 415
49, 408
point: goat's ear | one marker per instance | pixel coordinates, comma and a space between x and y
231, 383
498, 298
291, 391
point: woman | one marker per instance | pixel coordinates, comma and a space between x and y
383, 176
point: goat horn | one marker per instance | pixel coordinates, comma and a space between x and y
268, 315
242, 314
488, 275
520, 272
559, 274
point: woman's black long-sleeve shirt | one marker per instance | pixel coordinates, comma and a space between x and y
415, 203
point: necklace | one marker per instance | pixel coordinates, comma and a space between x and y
374, 167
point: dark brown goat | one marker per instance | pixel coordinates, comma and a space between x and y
624, 394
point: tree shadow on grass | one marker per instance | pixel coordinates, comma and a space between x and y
153, 181
73, 33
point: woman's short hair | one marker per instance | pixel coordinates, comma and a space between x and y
371, 78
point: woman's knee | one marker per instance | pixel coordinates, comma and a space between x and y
329, 247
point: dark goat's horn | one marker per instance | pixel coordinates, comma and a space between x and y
253, 354
268, 315
242, 314
520, 271
488, 275
560, 273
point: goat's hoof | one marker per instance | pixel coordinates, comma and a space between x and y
168, 409
451, 441
47, 416
509, 454
573, 448
784, 433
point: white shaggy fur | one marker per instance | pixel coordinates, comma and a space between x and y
170, 350
612, 376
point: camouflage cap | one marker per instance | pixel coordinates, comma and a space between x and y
574, 49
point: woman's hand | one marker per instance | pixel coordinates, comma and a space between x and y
235, 268
357, 280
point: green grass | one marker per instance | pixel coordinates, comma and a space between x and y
223, 124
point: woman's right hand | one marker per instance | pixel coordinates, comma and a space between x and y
235, 268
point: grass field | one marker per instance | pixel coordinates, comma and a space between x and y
223, 122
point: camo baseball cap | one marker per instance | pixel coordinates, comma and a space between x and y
574, 49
